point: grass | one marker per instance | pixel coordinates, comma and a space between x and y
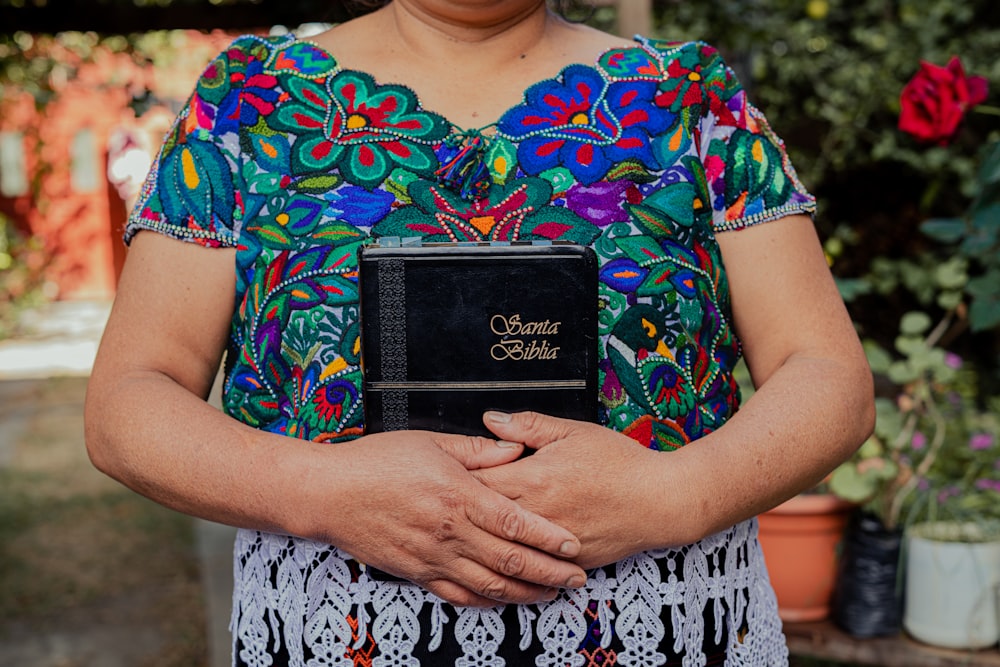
76, 548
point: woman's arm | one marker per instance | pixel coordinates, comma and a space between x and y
403, 501
812, 408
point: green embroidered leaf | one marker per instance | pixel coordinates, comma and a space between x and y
559, 178
338, 233
259, 50
410, 221
314, 153
414, 157
304, 294
555, 223
754, 163
501, 159
642, 249
272, 235
264, 184
316, 184
398, 184
631, 170
672, 144
676, 202
350, 344
200, 182
339, 290
658, 280
366, 165
692, 315
629, 378
309, 94
214, 83
668, 435
652, 220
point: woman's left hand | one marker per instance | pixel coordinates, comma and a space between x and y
598, 484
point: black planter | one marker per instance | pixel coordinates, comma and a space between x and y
867, 598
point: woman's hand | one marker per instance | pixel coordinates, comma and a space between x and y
593, 481
404, 502
428, 520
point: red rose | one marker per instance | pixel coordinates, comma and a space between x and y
936, 98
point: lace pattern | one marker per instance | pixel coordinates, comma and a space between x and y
302, 597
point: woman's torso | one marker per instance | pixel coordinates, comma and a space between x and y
643, 155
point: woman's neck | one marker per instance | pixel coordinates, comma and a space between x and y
443, 30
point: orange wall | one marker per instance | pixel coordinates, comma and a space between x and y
82, 227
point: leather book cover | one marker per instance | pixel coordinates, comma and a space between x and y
449, 331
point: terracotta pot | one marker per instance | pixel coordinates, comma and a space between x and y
800, 539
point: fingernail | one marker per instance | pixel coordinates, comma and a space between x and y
498, 417
576, 581
568, 548
508, 444
550, 594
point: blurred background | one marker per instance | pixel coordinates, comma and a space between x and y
909, 214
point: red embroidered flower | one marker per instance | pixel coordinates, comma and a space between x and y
936, 99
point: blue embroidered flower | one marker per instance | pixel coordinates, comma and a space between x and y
585, 124
359, 207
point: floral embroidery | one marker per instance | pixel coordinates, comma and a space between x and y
300, 59
585, 124
363, 129
514, 212
630, 64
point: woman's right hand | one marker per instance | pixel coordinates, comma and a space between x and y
404, 502
418, 513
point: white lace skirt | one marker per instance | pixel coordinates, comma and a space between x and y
305, 604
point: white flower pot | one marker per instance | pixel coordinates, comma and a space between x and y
951, 587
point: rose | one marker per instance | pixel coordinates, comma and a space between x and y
936, 99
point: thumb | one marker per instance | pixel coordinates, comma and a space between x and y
534, 429
475, 452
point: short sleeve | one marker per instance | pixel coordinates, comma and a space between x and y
749, 176
191, 191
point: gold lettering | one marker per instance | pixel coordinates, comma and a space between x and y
513, 326
514, 346
517, 350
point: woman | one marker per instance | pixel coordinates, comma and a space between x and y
592, 551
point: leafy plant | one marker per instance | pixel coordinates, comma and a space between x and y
935, 452
23, 260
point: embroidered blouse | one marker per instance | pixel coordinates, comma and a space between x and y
644, 155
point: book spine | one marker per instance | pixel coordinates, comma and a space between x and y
392, 330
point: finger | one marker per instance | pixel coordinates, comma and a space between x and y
534, 429
504, 518
476, 452
457, 595
483, 588
509, 567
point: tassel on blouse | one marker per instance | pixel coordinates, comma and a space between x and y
466, 172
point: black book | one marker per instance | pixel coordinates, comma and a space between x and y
451, 330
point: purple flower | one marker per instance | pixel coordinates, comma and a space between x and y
988, 485
946, 493
981, 441
952, 360
601, 203
918, 441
